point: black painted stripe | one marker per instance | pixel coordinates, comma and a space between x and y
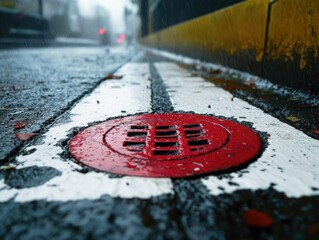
161, 102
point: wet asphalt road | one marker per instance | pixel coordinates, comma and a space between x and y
38, 86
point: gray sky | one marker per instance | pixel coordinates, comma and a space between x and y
114, 7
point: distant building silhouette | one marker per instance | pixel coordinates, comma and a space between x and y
63, 16
52, 18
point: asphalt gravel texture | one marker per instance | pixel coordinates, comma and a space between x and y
38, 86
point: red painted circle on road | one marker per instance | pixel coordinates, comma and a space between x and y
165, 145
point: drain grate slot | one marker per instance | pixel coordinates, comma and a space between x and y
136, 149
137, 134
192, 126
197, 142
166, 133
192, 132
139, 127
193, 136
134, 144
166, 152
166, 144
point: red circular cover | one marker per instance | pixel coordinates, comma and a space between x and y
165, 145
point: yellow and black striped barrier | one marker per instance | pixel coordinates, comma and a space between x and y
275, 39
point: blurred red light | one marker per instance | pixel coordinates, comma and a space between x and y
122, 36
101, 31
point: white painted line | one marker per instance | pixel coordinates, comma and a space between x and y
291, 158
130, 94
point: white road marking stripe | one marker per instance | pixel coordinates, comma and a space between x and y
131, 94
291, 158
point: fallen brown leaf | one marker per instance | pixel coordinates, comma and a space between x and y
264, 97
8, 168
19, 125
231, 88
315, 131
256, 218
24, 136
251, 84
112, 76
215, 71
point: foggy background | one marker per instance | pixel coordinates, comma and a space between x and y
105, 22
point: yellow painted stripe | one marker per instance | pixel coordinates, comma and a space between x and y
236, 28
294, 31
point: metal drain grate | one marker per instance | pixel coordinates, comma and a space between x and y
166, 140
165, 145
